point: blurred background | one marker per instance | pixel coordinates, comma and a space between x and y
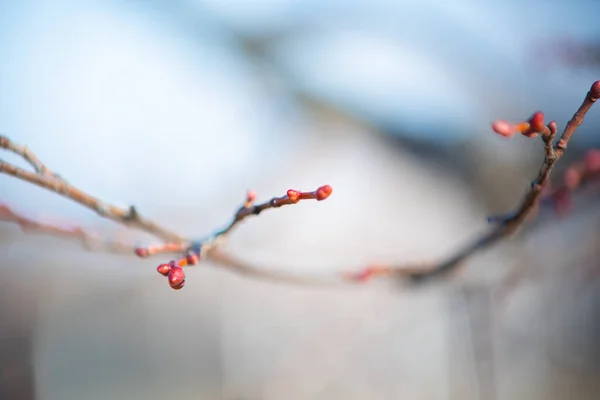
180, 106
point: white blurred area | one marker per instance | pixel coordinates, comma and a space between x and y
168, 106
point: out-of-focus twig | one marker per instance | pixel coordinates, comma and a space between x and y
75, 233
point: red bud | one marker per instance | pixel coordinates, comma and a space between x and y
592, 160
323, 192
142, 252
164, 269
595, 90
192, 258
293, 195
552, 126
176, 277
537, 121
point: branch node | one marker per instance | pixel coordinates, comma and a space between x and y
132, 215
102, 209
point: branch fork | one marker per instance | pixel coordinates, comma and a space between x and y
193, 251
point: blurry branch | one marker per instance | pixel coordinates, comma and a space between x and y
507, 225
567, 52
77, 234
193, 250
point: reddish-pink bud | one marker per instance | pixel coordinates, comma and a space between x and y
293, 195
537, 121
595, 90
552, 126
592, 160
503, 128
176, 277
164, 269
572, 178
192, 258
142, 252
251, 195
323, 192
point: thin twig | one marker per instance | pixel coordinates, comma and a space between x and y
250, 209
236, 265
27, 155
88, 240
129, 217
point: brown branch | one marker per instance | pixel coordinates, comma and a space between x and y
206, 248
241, 267
87, 239
46, 179
27, 155
193, 250
506, 225
249, 209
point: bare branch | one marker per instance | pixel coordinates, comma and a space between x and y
509, 224
24, 152
129, 217
193, 251
87, 239
236, 265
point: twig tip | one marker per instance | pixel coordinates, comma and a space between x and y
595, 90
324, 192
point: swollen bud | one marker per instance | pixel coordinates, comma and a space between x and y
293, 195
192, 258
595, 90
503, 128
323, 192
176, 278
164, 269
537, 121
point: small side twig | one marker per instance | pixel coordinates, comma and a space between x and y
201, 249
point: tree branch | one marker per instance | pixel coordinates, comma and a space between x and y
195, 250
504, 225
129, 217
